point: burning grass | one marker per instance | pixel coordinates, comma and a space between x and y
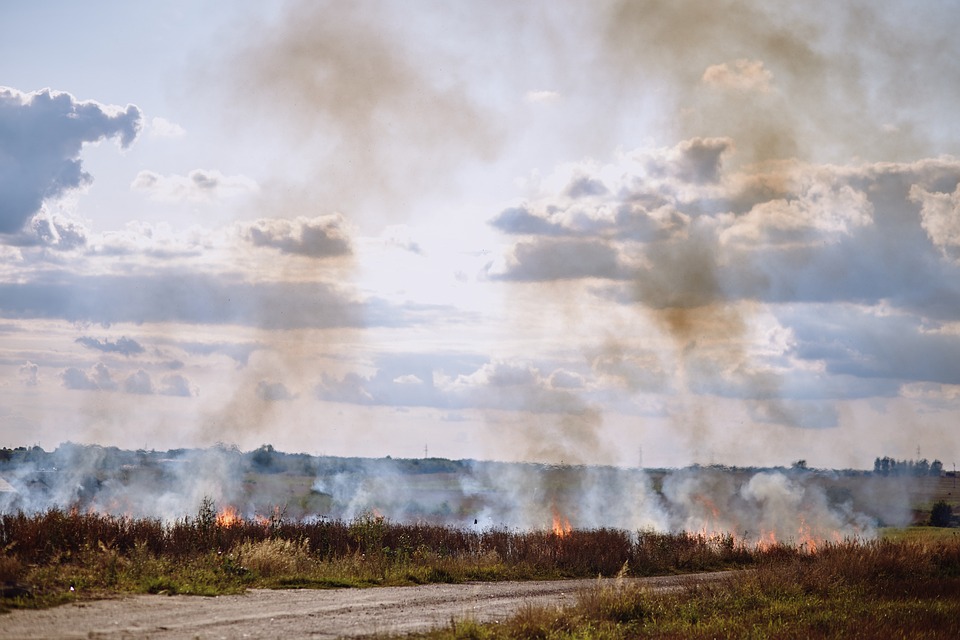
59, 556
62, 555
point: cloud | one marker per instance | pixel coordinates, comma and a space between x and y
29, 374
189, 297
319, 237
841, 73
940, 218
100, 378
458, 383
41, 136
239, 352
522, 220
97, 378
124, 345
200, 185
743, 75
551, 259
274, 391
399, 236
139, 383
176, 385
541, 96
854, 264
50, 231
160, 241
162, 128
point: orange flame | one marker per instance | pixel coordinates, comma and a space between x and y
561, 525
228, 517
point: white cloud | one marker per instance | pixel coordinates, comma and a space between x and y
200, 185
940, 218
97, 378
176, 385
138, 382
542, 95
163, 128
742, 75
41, 137
29, 374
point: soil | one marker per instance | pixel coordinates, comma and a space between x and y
303, 613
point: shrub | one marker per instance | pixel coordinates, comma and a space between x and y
941, 514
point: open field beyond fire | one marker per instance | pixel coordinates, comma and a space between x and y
298, 523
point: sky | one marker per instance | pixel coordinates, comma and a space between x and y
623, 232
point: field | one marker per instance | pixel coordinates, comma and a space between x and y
901, 581
906, 585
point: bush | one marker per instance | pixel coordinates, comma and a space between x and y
941, 514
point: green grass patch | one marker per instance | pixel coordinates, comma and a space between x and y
921, 534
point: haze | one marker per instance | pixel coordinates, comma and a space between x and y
630, 233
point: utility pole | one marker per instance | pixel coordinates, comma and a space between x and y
425, 451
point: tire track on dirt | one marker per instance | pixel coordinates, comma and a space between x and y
306, 613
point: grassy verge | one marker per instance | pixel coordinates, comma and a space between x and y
50, 558
906, 584
864, 590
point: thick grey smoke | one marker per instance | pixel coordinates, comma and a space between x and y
110, 481
796, 507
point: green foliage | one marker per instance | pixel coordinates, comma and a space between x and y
941, 514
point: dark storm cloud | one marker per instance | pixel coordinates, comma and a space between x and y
123, 345
41, 136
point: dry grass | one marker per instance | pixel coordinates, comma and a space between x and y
850, 590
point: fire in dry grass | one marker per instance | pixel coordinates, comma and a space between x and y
561, 525
228, 517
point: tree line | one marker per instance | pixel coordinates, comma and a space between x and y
887, 466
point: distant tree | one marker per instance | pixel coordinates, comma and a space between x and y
263, 457
800, 465
885, 464
941, 514
936, 468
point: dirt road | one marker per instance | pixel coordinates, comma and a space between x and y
301, 613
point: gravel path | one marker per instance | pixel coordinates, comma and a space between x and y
301, 613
